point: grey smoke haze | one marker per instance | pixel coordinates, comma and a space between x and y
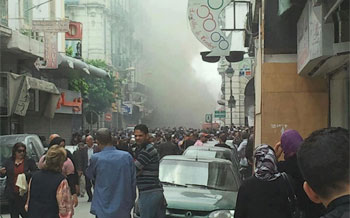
184, 88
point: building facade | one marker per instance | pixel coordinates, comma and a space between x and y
108, 30
301, 74
36, 99
244, 104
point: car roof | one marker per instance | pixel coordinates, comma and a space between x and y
16, 137
200, 159
208, 148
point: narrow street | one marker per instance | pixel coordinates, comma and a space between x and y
82, 211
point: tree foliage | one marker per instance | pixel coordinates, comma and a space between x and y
69, 51
100, 92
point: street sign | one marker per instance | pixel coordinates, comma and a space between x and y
208, 118
91, 117
220, 114
126, 108
108, 117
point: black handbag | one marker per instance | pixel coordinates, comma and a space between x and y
295, 210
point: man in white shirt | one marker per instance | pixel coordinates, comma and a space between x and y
241, 149
84, 161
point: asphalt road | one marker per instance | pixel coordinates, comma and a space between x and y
81, 211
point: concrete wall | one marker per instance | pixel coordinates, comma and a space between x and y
340, 99
9, 63
291, 102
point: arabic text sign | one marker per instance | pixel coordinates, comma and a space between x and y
70, 102
50, 50
50, 25
203, 16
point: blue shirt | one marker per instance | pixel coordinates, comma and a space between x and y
115, 183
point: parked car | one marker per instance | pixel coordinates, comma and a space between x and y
34, 150
198, 187
214, 152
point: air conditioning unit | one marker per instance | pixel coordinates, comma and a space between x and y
318, 54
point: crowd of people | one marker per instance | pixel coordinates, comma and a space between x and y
295, 178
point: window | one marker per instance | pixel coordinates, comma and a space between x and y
215, 175
4, 12
27, 12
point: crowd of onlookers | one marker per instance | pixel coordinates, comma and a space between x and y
295, 178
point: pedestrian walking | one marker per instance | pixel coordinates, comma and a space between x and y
83, 162
324, 163
289, 145
114, 174
49, 192
222, 141
76, 156
263, 195
168, 147
18, 164
151, 201
69, 167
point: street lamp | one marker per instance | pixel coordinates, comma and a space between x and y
231, 102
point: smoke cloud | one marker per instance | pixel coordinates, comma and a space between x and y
184, 88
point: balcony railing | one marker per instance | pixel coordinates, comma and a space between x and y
4, 12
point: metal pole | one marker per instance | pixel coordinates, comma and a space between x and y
82, 108
231, 103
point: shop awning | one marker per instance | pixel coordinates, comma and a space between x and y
19, 98
68, 66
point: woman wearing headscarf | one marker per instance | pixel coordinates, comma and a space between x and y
289, 145
18, 164
263, 195
49, 194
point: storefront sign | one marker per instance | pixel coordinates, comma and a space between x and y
50, 50
204, 21
70, 102
53, 26
108, 117
315, 39
50, 29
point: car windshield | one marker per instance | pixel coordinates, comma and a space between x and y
6, 144
214, 175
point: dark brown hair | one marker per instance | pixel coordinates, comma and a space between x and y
16, 147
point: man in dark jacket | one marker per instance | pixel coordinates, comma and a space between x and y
167, 148
324, 163
83, 161
222, 141
188, 141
